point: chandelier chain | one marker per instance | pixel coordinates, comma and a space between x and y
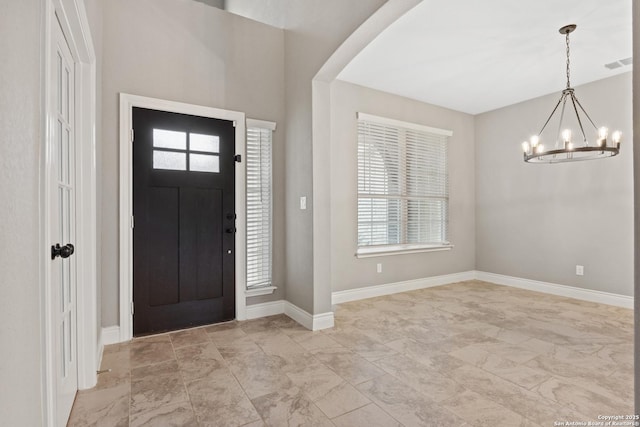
568, 63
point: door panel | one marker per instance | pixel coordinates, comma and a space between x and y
201, 244
184, 234
162, 247
62, 223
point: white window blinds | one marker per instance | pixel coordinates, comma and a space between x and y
403, 195
259, 196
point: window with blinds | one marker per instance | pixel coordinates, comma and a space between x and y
259, 196
403, 195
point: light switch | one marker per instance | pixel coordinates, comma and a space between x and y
303, 202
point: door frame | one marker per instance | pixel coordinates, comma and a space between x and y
127, 103
75, 26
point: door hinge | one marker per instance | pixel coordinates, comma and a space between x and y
132, 221
234, 123
237, 158
131, 135
132, 309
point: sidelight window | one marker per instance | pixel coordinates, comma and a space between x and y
259, 204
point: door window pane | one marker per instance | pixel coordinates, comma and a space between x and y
169, 139
204, 163
169, 160
207, 143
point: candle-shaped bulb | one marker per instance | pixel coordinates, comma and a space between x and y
539, 148
566, 135
617, 137
569, 146
535, 139
525, 146
603, 132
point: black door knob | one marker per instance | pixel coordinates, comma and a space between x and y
62, 251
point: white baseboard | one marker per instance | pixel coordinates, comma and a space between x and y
110, 335
556, 289
265, 309
309, 321
339, 297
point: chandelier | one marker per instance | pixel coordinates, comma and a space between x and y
567, 148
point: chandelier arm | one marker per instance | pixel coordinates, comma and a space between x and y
573, 101
551, 115
585, 113
564, 104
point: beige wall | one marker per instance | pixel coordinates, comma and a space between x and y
538, 221
186, 51
349, 272
314, 30
21, 351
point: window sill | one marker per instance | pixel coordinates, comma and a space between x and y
368, 252
266, 290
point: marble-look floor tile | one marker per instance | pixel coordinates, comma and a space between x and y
620, 355
581, 399
221, 402
363, 345
429, 382
290, 407
406, 405
115, 369
426, 354
507, 351
155, 386
199, 361
276, 342
367, 416
236, 347
107, 407
259, 374
189, 337
504, 368
316, 341
224, 333
315, 380
348, 365
173, 415
482, 412
528, 404
470, 353
151, 350
341, 399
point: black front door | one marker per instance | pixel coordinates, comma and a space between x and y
184, 221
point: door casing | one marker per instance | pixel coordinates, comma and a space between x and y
127, 102
73, 19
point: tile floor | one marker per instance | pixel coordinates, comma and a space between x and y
466, 354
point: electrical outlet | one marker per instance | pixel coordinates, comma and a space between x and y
580, 270
379, 267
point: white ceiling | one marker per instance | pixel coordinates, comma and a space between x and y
475, 56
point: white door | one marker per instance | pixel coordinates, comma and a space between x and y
62, 224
